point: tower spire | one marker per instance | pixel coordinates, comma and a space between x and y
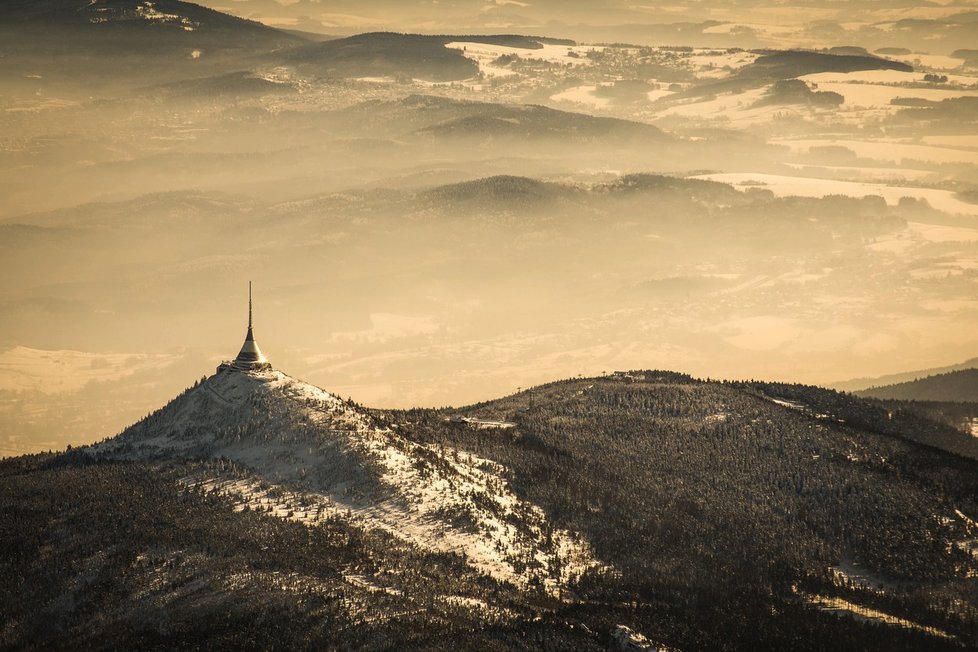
250, 357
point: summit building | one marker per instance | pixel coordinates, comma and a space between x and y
250, 357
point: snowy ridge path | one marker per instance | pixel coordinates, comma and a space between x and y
301, 453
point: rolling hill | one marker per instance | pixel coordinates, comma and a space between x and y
509, 190
433, 117
86, 48
789, 64
405, 56
227, 87
384, 54
783, 65
130, 26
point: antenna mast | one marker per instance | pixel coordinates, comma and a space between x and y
250, 358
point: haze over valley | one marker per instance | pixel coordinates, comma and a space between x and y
436, 220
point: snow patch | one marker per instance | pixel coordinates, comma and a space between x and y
785, 186
890, 151
842, 607
148, 11
582, 95
486, 55
309, 456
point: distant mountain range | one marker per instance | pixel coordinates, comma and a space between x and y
445, 118
938, 30
960, 385
180, 39
172, 28
644, 507
858, 384
186, 32
144, 28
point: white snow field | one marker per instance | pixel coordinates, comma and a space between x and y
582, 95
785, 186
892, 151
485, 54
301, 453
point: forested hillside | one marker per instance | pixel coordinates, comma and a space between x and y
123, 556
720, 516
725, 507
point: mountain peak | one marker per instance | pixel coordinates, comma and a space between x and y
271, 442
238, 408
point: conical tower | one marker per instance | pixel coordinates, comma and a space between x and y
250, 358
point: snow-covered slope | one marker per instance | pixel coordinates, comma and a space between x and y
299, 452
130, 27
